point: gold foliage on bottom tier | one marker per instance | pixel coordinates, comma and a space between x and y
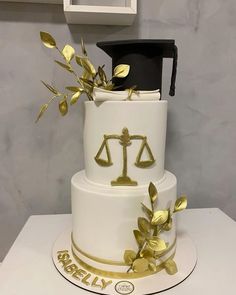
150, 246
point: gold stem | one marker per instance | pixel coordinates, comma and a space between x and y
54, 98
155, 231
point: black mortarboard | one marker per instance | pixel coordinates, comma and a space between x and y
145, 58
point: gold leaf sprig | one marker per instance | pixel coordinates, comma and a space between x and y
84, 82
150, 245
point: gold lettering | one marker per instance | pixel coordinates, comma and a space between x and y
105, 284
62, 251
70, 268
94, 283
79, 273
85, 279
65, 262
63, 256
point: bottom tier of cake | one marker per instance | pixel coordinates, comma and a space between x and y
104, 218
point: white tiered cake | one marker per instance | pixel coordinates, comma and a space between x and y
107, 195
124, 203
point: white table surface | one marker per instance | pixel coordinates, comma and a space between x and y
28, 268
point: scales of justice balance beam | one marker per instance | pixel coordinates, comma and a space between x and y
125, 140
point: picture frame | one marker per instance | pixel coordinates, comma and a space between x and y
100, 14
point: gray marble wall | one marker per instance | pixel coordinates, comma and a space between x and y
38, 160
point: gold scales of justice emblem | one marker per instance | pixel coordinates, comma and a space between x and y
125, 140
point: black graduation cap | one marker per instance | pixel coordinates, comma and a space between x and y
145, 58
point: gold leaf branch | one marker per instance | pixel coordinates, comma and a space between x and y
151, 246
84, 82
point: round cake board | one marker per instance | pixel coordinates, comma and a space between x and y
185, 258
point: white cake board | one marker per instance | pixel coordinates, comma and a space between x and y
185, 258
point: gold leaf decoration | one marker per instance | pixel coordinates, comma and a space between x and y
147, 211
50, 88
41, 111
156, 244
143, 225
152, 264
83, 47
88, 66
152, 192
86, 75
79, 59
168, 225
47, 40
140, 265
170, 267
64, 66
147, 253
129, 257
87, 82
75, 97
63, 107
102, 75
151, 247
159, 217
139, 237
180, 204
121, 71
74, 88
89, 79
68, 53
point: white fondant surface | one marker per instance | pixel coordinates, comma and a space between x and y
110, 117
100, 94
104, 217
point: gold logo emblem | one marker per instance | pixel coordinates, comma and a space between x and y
124, 287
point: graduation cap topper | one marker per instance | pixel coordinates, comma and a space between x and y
145, 58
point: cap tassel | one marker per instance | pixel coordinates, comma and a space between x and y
174, 71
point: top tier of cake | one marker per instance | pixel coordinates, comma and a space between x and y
124, 142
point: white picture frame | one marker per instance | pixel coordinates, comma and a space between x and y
100, 15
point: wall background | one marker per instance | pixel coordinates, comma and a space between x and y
38, 160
